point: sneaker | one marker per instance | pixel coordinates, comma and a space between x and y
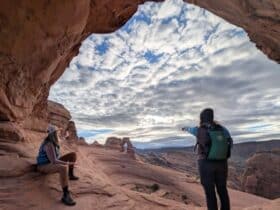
68, 200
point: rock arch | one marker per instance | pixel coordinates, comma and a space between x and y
39, 38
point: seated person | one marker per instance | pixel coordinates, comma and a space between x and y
50, 161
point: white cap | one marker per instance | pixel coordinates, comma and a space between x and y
51, 128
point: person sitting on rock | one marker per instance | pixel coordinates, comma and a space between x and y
213, 146
50, 161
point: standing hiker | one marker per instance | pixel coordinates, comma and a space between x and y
213, 147
50, 161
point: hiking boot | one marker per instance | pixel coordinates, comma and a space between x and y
73, 177
71, 174
68, 200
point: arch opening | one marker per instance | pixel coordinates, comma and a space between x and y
159, 70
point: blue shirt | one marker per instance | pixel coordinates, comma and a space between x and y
194, 131
42, 157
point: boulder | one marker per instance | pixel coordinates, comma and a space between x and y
262, 173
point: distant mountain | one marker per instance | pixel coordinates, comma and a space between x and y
247, 149
240, 150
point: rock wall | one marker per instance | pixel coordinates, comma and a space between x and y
58, 115
262, 175
259, 18
38, 39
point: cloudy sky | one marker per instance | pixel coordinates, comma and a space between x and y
158, 72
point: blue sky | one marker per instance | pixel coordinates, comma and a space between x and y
158, 72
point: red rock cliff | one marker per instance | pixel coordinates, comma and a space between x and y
39, 38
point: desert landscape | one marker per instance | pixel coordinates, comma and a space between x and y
247, 163
112, 178
39, 39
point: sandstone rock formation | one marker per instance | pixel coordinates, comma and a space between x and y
127, 147
97, 144
19, 144
121, 144
262, 174
71, 132
38, 40
108, 180
259, 18
82, 141
114, 143
58, 115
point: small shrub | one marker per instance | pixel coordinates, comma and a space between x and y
154, 187
184, 197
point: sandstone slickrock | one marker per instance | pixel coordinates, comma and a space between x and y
107, 181
13, 166
11, 132
270, 206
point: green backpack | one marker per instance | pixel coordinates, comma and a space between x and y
219, 145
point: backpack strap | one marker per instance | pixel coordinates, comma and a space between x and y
195, 147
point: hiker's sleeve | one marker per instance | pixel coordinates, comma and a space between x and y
50, 153
50, 150
191, 130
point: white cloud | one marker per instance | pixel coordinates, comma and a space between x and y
170, 8
162, 68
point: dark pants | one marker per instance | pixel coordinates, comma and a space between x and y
213, 174
69, 157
